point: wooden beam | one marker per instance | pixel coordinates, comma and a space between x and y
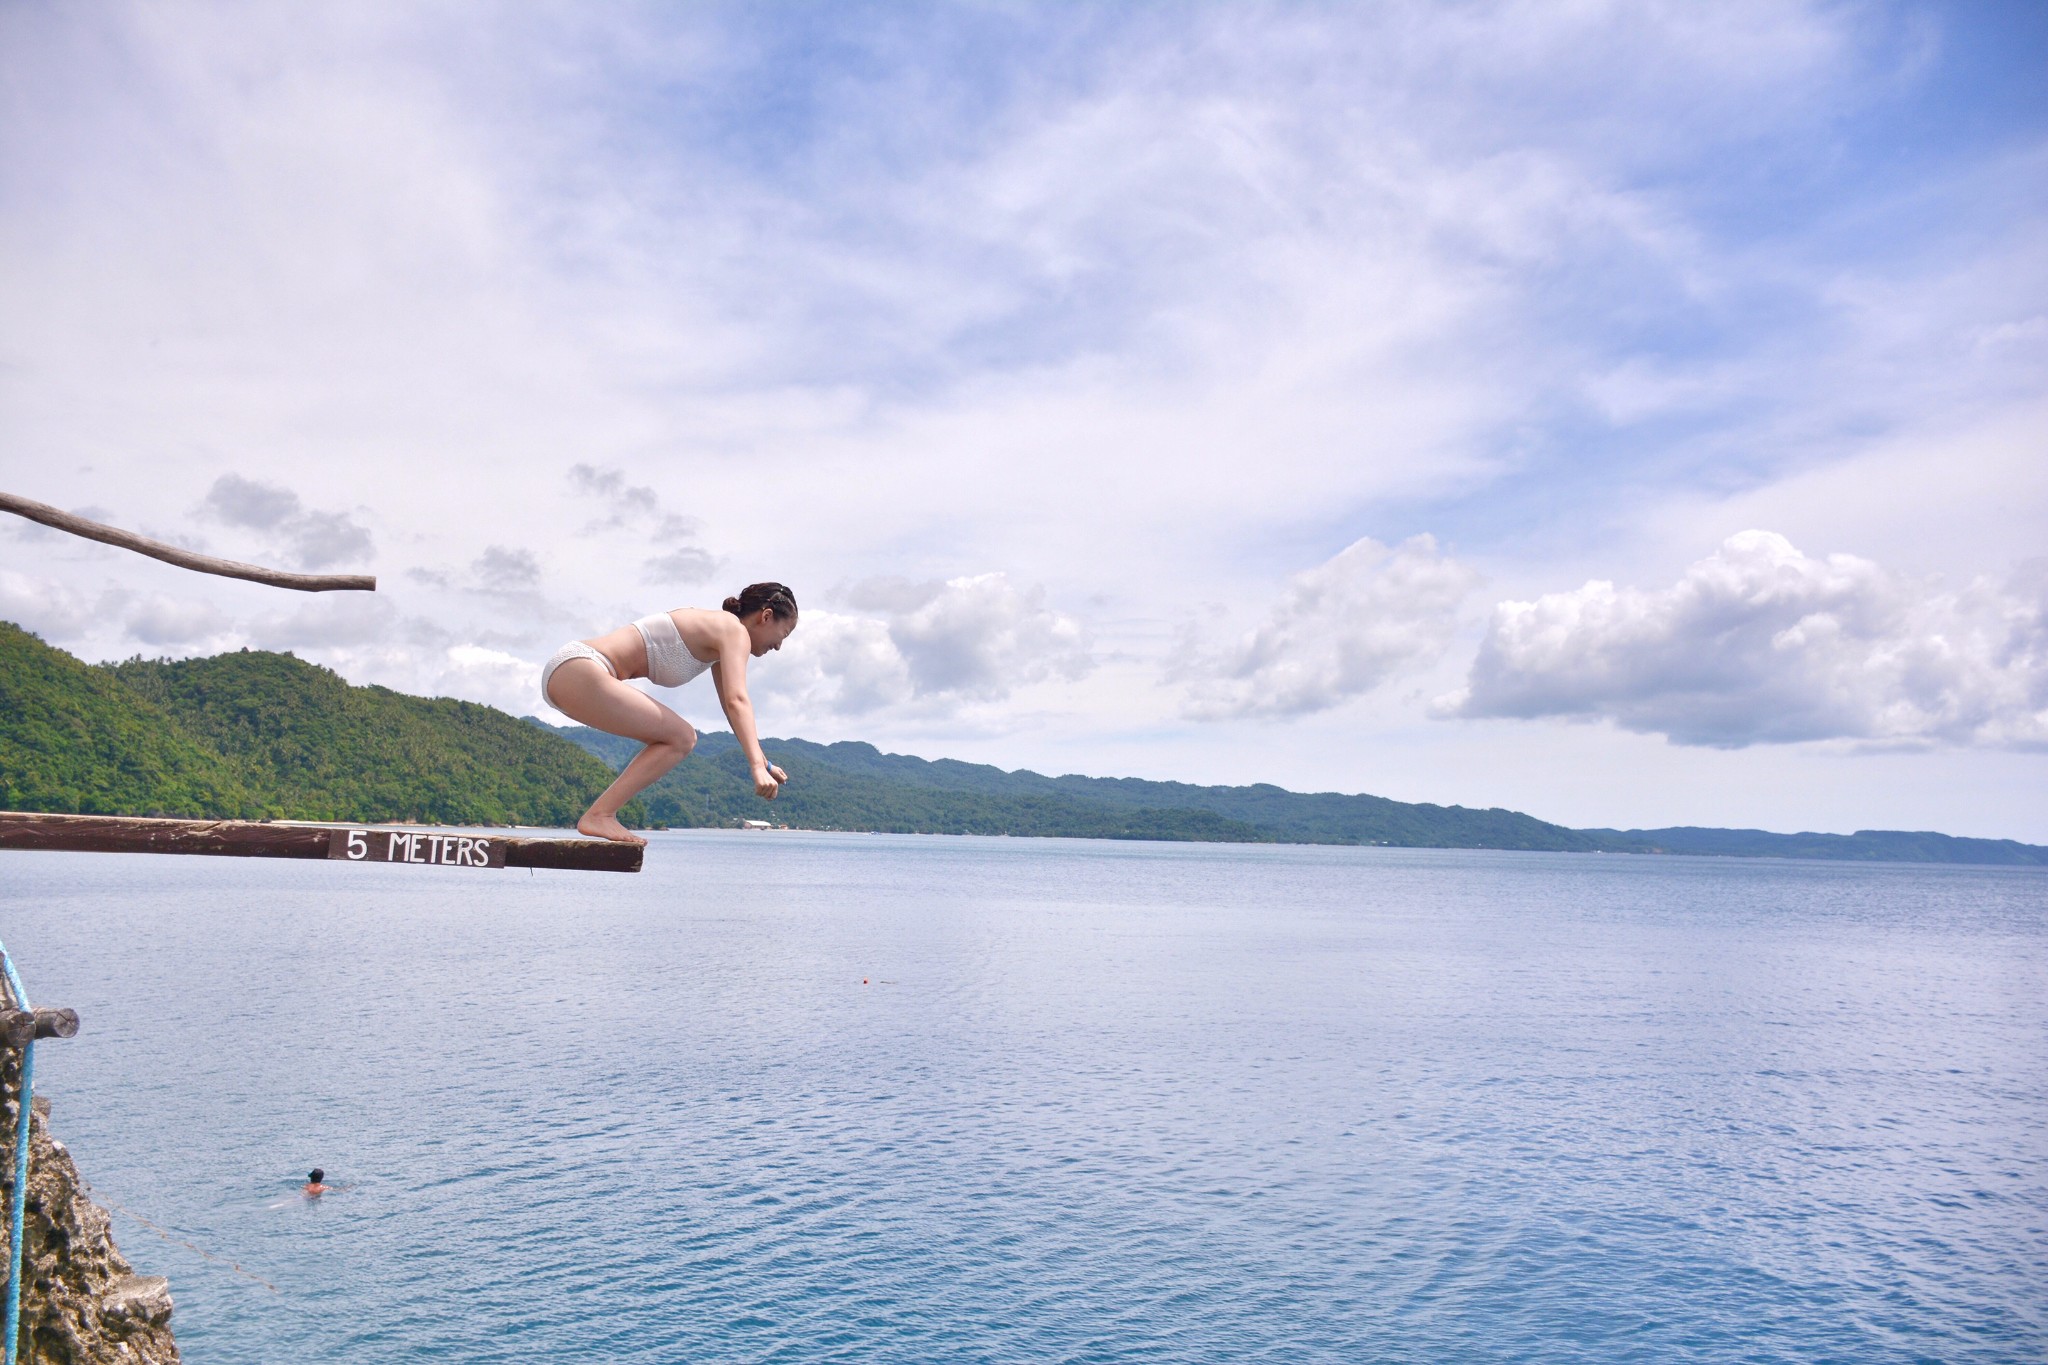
61, 520
407, 846
18, 1028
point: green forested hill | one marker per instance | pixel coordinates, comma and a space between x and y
321, 749
267, 735
72, 739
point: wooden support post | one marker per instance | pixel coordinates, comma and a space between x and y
408, 846
18, 1028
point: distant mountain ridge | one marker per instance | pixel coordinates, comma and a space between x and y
262, 735
1865, 845
851, 785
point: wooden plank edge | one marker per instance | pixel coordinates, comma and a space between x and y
262, 839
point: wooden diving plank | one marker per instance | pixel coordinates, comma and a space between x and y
411, 846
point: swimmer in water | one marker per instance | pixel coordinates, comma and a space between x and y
316, 1184
586, 680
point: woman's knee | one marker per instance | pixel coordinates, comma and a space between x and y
681, 736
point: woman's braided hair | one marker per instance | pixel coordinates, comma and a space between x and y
774, 596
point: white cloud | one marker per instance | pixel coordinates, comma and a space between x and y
491, 676
333, 621
178, 623
935, 648
1759, 643
624, 503
684, 564
502, 568
51, 609
1366, 615
835, 665
245, 502
312, 540
636, 510
981, 638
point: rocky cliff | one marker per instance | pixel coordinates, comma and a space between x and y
81, 1302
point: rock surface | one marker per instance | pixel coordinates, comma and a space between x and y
81, 1302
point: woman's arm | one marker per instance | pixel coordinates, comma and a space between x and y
729, 676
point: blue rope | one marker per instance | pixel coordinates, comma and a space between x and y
20, 1201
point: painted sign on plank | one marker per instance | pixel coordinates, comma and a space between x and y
416, 846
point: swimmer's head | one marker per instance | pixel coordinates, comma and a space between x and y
316, 1176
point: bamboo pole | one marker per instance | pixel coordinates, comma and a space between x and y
184, 559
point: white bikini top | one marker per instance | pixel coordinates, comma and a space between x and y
669, 661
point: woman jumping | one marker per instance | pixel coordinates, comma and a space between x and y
586, 681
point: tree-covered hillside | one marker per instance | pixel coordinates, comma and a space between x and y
73, 740
263, 735
324, 750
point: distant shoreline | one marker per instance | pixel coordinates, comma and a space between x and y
856, 788
1388, 848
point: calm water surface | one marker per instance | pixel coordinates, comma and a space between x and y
811, 1097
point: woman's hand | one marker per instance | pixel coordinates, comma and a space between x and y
768, 780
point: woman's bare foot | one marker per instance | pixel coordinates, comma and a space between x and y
606, 827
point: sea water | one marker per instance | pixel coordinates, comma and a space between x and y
805, 1097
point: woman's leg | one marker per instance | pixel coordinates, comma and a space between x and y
582, 690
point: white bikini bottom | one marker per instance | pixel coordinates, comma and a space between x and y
575, 649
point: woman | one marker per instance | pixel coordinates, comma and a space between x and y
586, 681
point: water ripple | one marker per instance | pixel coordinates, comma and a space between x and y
817, 1098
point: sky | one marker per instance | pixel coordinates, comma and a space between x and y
1628, 413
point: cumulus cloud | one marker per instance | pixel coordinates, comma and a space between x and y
1759, 643
338, 621
313, 540
839, 665
623, 502
1368, 614
177, 623
675, 557
48, 608
932, 646
475, 673
502, 567
245, 502
684, 564
978, 637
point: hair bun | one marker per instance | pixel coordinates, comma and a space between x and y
773, 598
